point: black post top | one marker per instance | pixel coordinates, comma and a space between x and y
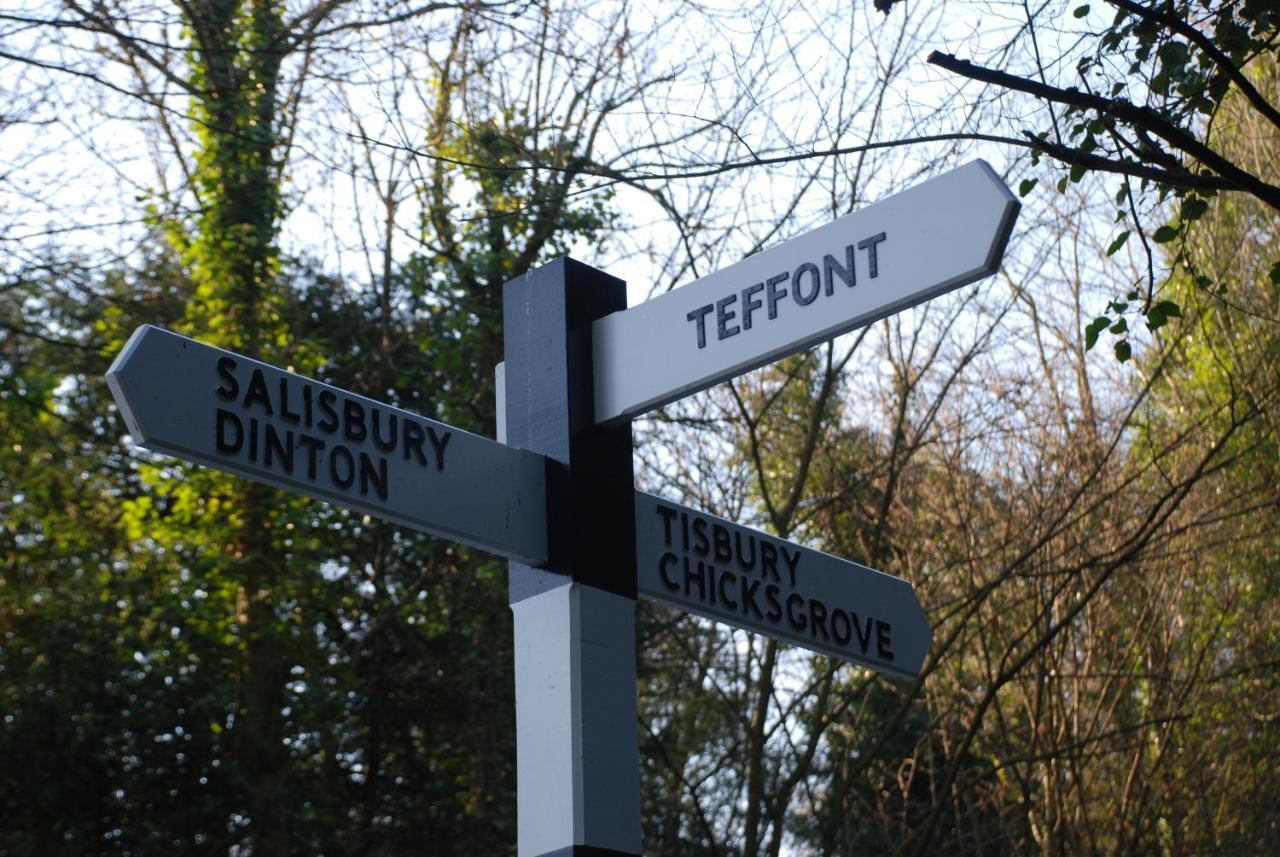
547, 315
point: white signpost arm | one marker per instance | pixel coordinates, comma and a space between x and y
224, 410
913, 246
695, 561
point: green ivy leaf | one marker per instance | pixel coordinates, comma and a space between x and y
1081, 11
1115, 245
1123, 351
1275, 274
1174, 54
1168, 308
1095, 327
1193, 208
1120, 327
1164, 235
1026, 186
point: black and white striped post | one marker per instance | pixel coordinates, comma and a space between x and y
578, 773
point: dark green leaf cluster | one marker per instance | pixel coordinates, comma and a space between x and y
123, 662
1150, 87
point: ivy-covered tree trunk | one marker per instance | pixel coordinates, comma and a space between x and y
237, 47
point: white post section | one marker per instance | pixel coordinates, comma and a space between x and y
576, 779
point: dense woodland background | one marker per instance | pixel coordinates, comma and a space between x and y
1075, 462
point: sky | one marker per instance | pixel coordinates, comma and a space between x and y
723, 82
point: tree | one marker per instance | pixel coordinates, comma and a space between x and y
1142, 102
1093, 540
312, 680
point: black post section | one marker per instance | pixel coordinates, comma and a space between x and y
550, 409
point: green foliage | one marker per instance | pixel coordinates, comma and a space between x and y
195, 663
1120, 240
230, 249
1153, 86
1218, 380
513, 202
123, 657
1179, 75
110, 680
1094, 328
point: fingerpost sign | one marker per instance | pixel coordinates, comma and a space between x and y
557, 497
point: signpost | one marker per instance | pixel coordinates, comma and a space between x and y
733, 574
556, 497
191, 400
923, 242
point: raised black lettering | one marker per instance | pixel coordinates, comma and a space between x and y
792, 560
226, 371
699, 318
747, 564
701, 545
882, 640
818, 618
342, 479
845, 272
720, 537
773, 294
724, 315
749, 304
727, 577
869, 244
390, 443
253, 441
373, 476
749, 588
438, 443
258, 392
795, 619
798, 291
306, 405
701, 577
277, 447
771, 593
837, 616
353, 428
863, 630
664, 562
668, 515
769, 560
225, 420
329, 420
313, 445
414, 437
286, 414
